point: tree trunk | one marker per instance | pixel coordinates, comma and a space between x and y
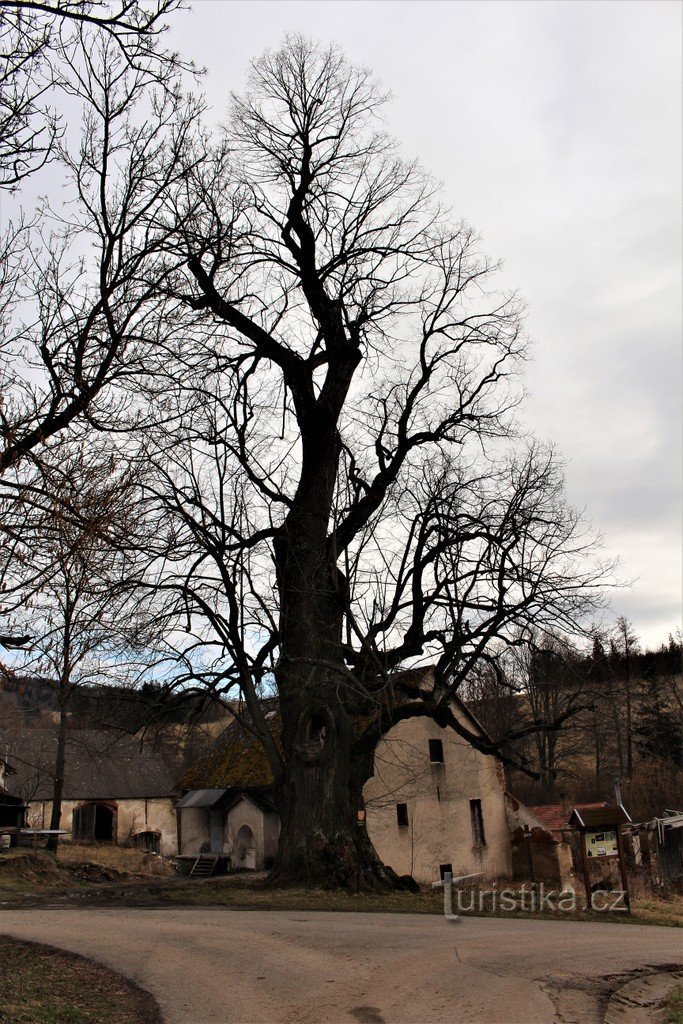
58, 787
320, 790
322, 842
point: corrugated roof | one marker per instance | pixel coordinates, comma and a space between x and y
100, 765
201, 798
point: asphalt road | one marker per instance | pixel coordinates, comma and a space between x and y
215, 966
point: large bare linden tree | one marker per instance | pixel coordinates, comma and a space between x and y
341, 489
315, 371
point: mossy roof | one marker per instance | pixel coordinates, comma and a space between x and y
236, 760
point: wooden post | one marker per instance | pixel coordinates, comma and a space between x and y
622, 869
530, 856
586, 871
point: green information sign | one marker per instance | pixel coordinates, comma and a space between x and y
601, 843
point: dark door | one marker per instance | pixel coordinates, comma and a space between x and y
104, 824
216, 831
83, 824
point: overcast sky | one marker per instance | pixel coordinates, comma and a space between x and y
556, 130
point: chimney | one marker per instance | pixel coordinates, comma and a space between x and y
617, 792
564, 797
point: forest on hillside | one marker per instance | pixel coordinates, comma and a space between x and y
619, 715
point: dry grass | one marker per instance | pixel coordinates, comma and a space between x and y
42, 985
675, 1006
123, 877
117, 858
29, 873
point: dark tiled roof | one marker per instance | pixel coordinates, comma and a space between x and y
554, 817
599, 816
100, 765
8, 798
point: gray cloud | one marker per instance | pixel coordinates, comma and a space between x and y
556, 129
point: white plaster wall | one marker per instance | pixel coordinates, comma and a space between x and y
133, 816
438, 798
194, 829
245, 813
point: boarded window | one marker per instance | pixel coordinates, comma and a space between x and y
436, 751
150, 842
402, 814
443, 868
477, 819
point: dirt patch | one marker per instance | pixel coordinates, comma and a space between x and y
43, 985
607, 1000
367, 1015
97, 872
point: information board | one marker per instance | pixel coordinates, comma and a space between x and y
601, 843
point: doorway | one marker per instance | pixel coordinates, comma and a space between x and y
244, 849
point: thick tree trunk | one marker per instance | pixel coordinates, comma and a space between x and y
319, 793
322, 842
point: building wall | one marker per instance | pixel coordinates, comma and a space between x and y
245, 813
194, 829
438, 796
552, 859
264, 826
153, 815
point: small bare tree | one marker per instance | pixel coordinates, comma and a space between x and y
86, 628
78, 314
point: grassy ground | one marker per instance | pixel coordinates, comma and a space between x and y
41, 985
675, 1006
125, 860
28, 872
114, 876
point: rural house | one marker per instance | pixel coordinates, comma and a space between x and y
116, 789
434, 804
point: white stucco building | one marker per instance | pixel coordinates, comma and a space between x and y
434, 803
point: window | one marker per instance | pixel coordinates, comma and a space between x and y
443, 868
477, 820
402, 814
149, 842
436, 751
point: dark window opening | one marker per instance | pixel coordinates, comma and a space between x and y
477, 819
402, 814
436, 751
443, 868
104, 824
149, 842
11, 816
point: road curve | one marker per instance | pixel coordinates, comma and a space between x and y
216, 966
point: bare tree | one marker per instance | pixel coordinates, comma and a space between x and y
36, 37
87, 629
79, 315
337, 491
